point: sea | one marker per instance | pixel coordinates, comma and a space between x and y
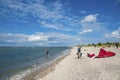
17, 62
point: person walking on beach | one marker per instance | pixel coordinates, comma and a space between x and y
117, 45
79, 51
94, 45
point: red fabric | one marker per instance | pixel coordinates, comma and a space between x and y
104, 53
91, 55
110, 54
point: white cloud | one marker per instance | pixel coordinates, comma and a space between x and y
34, 8
21, 38
48, 25
96, 29
90, 18
40, 38
62, 38
86, 31
9, 37
114, 34
56, 26
37, 38
83, 12
90, 23
54, 14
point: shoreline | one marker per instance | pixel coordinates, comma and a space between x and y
71, 68
42, 72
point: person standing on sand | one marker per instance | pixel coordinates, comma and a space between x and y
117, 45
79, 51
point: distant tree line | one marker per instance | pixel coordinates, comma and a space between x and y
107, 44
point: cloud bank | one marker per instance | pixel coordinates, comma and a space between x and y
39, 38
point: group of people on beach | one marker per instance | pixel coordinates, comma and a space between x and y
79, 53
102, 52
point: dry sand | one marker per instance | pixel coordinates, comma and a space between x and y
71, 68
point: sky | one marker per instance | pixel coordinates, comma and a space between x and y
58, 22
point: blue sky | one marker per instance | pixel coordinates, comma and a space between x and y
58, 22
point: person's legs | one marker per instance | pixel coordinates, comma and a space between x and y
88, 55
117, 47
78, 54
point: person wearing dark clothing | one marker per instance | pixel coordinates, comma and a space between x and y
117, 45
47, 52
79, 51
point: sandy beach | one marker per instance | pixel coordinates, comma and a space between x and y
71, 68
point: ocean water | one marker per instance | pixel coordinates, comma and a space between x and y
16, 62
